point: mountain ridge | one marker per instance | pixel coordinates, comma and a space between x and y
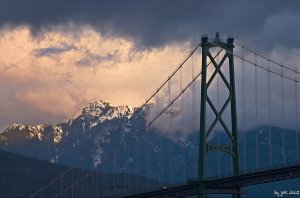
106, 129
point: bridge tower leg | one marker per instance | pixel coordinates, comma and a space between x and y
204, 146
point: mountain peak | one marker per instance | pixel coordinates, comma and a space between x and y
95, 108
17, 126
99, 111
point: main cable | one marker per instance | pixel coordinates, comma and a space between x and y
261, 66
131, 118
146, 127
267, 58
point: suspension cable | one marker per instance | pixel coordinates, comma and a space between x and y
129, 141
139, 134
149, 124
267, 58
280, 74
167, 80
262, 67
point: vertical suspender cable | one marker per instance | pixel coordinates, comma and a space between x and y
159, 139
183, 146
86, 184
85, 181
82, 185
269, 117
182, 124
75, 184
62, 183
170, 124
115, 171
72, 182
193, 121
93, 187
140, 168
243, 112
107, 183
102, 180
137, 159
148, 160
283, 131
51, 189
256, 115
161, 157
125, 173
296, 98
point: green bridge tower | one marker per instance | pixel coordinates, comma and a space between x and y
204, 146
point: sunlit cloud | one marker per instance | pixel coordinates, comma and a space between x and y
51, 78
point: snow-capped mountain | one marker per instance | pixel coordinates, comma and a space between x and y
109, 138
100, 126
98, 112
50, 142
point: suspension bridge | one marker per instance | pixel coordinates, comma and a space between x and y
228, 118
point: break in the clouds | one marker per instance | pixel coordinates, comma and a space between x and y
53, 50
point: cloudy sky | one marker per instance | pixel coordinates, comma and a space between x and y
56, 56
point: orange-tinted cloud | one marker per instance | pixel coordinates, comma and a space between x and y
50, 79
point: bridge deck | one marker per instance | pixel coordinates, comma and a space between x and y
227, 185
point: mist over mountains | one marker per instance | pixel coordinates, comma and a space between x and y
120, 145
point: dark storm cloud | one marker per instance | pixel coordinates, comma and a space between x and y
155, 23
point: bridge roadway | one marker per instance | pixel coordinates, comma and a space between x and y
226, 185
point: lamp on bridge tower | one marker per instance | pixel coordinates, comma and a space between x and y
204, 146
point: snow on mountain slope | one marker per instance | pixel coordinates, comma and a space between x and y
106, 130
97, 112
93, 114
57, 143
101, 127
